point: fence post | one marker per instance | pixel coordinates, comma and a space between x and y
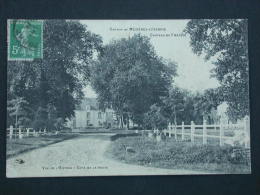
172, 128
20, 133
175, 131
182, 131
192, 132
221, 134
11, 131
204, 132
169, 129
27, 132
247, 131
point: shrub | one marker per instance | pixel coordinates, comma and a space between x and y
148, 151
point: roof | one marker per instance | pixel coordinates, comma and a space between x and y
92, 102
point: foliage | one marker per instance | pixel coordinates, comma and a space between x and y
179, 155
19, 111
206, 103
130, 77
40, 119
226, 41
154, 119
59, 77
183, 106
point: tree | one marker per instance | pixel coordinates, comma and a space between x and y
181, 105
19, 111
173, 104
41, 119
154, 118
58, 78
227, 42
206, 103
130, 77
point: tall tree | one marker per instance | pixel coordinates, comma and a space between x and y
227, 42
58, 78
19, 112
130, 77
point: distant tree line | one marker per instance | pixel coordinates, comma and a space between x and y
183, 106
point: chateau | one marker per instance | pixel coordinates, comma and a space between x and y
88, 114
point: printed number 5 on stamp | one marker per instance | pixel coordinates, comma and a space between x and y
25, 39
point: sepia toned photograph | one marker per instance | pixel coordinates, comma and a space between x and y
127, 97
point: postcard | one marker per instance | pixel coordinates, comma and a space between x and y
127, 97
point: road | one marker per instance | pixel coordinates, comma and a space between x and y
83, 156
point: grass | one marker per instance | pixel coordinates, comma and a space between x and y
18, 146
175, 154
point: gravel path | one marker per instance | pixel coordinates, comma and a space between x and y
82, 156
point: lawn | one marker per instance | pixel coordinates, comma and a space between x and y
17, 146
176, 154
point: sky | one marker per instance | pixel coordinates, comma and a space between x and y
169, 42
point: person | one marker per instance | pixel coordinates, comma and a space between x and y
24, 36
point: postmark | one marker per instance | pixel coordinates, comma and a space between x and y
25, 39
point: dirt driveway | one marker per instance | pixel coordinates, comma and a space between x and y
83, 156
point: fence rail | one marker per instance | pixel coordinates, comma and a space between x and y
23, 132
224, 133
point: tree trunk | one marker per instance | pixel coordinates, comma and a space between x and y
121, 122
127, 123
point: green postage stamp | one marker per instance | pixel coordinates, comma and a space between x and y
25, 39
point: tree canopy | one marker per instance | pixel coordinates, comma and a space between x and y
56, 81
225, 41
130, 77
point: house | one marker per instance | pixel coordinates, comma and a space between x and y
88, 114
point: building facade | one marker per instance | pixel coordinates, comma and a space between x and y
88, 114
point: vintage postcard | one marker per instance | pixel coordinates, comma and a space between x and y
127, 97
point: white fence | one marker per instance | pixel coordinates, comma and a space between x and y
23, 132
223, 133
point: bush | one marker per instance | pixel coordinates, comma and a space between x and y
172, 154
